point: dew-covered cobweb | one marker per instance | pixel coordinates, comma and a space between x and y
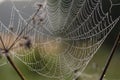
65, 41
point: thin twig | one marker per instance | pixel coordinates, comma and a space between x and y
25, 28
2, 42
110, 57
14, 66
6, 51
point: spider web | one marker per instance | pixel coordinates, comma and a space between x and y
63, 44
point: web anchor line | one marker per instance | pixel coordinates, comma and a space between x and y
110, 56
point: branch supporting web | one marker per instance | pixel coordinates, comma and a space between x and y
65, 41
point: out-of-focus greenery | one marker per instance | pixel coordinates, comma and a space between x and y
97, 64
92, 72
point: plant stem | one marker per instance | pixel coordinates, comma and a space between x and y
110, 57
14, 66
31, 19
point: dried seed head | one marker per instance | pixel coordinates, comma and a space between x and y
11, 28
33, 18
20, 44
38, 5
25, 37
26, 42
41, 19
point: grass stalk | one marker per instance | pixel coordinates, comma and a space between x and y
15, 67
110, 57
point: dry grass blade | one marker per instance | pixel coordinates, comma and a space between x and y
110, 56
